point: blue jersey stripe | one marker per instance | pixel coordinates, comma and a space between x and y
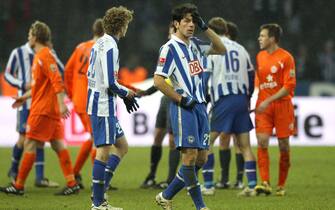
12, 65
220, 90
96, 96
180, 67
169, 59
23, 71
230, 87
110, 67
111, 105
88, 98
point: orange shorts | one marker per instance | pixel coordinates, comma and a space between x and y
85, 120
44, 128
278, 115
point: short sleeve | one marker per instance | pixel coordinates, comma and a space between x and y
165, 63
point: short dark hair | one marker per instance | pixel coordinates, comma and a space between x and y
232, 30
116, 18
274, 30
41, 31
98, 27
180, 11
219, 25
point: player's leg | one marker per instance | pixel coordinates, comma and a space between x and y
41, 180
208, 167
243, 141
84, 150
239, 165
284, 165
119, 150
225, 156
27, 163
66, 165
284, 123
174, 159
263, 162
21, 120
16, 157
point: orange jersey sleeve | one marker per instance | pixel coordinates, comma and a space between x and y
68, 73
46, 83
275, 71
78, 65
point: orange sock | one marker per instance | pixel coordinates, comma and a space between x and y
66, 165
25, 167
284, 165
84, 152
93, 154
263, 164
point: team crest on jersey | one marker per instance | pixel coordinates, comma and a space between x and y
292, 73
195, 67
161, 61
190, 139
53, 67
274, 69
194, 50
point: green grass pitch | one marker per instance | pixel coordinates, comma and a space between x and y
310, 184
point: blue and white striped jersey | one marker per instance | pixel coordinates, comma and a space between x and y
231, 73
184, 65
18, 70
102, 74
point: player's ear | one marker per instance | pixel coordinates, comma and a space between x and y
176, 24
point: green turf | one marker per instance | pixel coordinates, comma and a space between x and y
310, 184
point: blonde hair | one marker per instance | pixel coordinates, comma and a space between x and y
116, 18
41, 31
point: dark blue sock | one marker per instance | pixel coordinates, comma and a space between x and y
16, 157
175, 186
250, 171
112, 163
208, 171
192, 185
39, 164
98, 182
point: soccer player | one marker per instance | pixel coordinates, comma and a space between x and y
183, 60
101, 102
274, 108
18, 74
75, 79
162, 127
232, 78
47, 108
224, 151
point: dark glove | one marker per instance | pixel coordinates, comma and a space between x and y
199, 21
187, 102
131, 104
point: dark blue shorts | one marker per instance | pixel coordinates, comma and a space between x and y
231, 115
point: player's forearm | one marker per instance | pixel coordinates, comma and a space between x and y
278, 95
60, 98
26, 95
160, 84
217, 45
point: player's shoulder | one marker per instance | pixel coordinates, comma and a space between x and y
285, 54
85, 44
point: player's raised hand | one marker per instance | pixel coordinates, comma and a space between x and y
199, 21
19, 101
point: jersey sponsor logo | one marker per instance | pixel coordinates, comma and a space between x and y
269, 84
53, 67
161, 61
195, 67
190, 139
274, 69
292, 73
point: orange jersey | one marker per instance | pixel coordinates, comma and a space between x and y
275, 71
75, 77
46, 83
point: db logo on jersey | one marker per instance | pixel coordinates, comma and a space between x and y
195, 67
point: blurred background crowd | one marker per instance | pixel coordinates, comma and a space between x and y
308, 31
